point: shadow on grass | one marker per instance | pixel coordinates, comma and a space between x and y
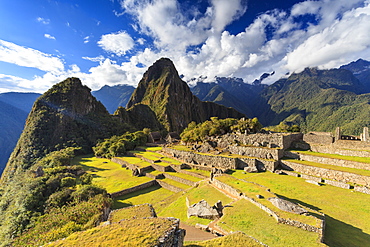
338, 233
118, 204
299, 202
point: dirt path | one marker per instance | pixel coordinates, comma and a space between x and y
194, 234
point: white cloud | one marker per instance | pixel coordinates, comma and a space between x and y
48, 36
28, 57
94, 59
43, 20
87, 39
117, 43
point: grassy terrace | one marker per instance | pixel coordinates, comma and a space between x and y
151, 149
347, 213
229, 240
142, 211
143, 232
185, 176
252, 190
135, 161
332, 167
107, 174
149, 195
172, 161
335, 156
174, 183
246, 217
175, 206
148, 155
198, 171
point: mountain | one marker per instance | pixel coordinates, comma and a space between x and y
361, 70
230, 92
170, 98
114, 96
66, 115
14, 108
318, 100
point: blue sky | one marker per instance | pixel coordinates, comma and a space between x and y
108, 42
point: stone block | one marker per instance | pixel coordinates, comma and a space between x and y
313, 182
337, 184
312, 178
362, 189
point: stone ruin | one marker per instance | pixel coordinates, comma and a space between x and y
287, 206
203, 210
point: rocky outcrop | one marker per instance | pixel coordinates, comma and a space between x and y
170, 98
203, 210
287, 206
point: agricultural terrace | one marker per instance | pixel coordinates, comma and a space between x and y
347, 212
108, 174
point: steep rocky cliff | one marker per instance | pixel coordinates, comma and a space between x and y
66, 115
162, 89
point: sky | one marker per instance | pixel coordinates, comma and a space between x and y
109, 42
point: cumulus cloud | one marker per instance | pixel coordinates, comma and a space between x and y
28, 57
117, 43
48, 36
94, 59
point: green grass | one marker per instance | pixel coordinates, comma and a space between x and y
252, 190
336, 156
109, 175
347, 213
148, 155
151, 149
235, 239
200, 172
175, 206
140, 211
135, 161
150, 195
248, 218
176, 184
332, 167
184, 176
143, 232
172, 161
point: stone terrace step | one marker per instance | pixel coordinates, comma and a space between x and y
331, 172
172, 185
344, 161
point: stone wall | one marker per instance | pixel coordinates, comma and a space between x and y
362, 189
130, 166
275, 140
329, 161
345, 177
169, 186
336, 149
337, 184
133, 189
174, 237
238, 193
189, 173
318, 137
162, 168
258, 152
180, 180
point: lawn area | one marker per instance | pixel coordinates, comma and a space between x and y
184, 176
332, 167
151, 149
248, 218
108, 174
172, 161
175, 206
148, 155
149, 195
140, 211
347, 212
135, 161
140, 233
200, 172
240, 238
335, 156
175, 183
252, 190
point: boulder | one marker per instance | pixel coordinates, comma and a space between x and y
203, 210
287, 206
250, 169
